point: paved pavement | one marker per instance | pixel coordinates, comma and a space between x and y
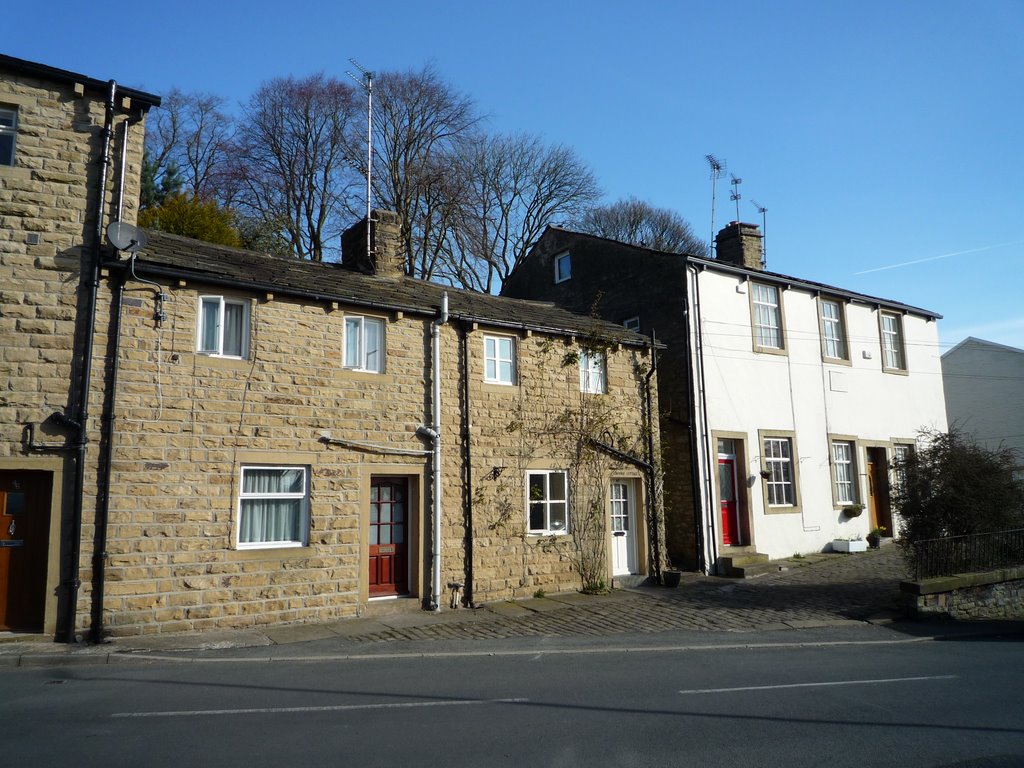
816, 591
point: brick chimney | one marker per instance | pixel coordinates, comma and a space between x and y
739, 244
386, 258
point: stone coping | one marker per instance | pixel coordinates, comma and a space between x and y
961, 581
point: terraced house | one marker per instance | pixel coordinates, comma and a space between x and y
783, 400
233, 439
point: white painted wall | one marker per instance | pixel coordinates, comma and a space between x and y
984, 385
747, 391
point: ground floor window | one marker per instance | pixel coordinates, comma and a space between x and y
547, 501
778, 463
844, 472
273, 507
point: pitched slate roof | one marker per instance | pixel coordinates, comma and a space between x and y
53, 74
763, 275
174, 256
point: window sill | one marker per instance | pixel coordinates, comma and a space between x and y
895, 371
782, 511
836, 361
771, 350
284, 552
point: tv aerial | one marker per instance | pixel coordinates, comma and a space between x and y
126, 237
764, 231
735, 194
717, 169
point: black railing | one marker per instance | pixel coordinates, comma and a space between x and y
967, 554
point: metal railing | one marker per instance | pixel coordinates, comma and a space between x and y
967, 554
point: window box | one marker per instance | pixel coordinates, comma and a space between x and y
849, 547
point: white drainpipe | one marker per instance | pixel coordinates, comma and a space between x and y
435, 337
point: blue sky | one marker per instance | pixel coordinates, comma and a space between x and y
883, 137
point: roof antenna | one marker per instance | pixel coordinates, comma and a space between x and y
764, 232
366, 82
735, 194
717, 169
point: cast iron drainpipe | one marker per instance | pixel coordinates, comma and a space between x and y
71, 581
435, 436
467, 433
650, 458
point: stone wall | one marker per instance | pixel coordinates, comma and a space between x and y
990, 595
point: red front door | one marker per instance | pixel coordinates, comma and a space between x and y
730, 510
24, 540
389, 561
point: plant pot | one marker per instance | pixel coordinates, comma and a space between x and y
841, 545
671, 578
874, 541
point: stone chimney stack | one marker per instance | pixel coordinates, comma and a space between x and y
740, 244
386, 258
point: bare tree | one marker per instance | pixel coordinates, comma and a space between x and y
419, 121
512, 187
290, 161
188, 138
634, 221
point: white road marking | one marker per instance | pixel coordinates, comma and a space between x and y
326, 708
818, 685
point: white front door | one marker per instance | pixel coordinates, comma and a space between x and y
623, 526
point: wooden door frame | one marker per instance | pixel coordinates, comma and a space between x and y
55, 466
884, 516
743, 486
638, 532
418, 562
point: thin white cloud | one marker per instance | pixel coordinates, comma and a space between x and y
936, 258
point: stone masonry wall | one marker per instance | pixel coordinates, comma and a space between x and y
997, 599
185, 423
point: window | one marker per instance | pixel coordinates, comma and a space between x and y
563, 268
223, 327
273, 507
547, 497
364, 343
901, 454
892, 341
632, 323
833, 334
499, 359
592, 369
8, 133
778, 463
767, 317
843, 471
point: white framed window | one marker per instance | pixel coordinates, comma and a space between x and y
892, 341
767, 317
8, 134
547, 501
499, 359
563, 267
833, 332
901, 453
273, 507
592, 373
364, 343
778, 463
844, 471
223, 327
632, 323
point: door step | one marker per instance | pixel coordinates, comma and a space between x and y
628, 581
744, 564
390, 606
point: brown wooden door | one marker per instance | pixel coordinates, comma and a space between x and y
24, 541
879, 510
389, 549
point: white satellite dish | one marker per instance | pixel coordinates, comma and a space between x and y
126, 237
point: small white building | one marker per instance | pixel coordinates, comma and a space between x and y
984, 385
783, 400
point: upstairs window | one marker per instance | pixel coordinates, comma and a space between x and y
767, 317
499, 359
892, 342
8, 133
223, 327
833, 333
632, 323
364, 343
592, 373
563, 268
547, 502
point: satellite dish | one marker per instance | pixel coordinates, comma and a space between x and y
125, 237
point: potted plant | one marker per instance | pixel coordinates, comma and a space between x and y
875, 536
853, 510
856, 544
671, 577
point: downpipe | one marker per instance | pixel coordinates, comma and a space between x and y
434, 433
